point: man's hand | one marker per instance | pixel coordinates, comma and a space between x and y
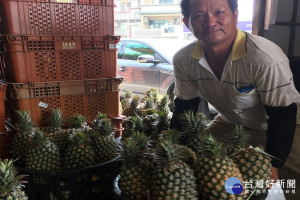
274, 174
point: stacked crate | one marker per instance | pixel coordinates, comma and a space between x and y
60, 54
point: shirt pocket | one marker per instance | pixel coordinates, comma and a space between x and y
245, 99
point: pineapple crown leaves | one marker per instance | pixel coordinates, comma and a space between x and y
149, 103
164, 101
25, 123
10, 180
149, 92
193, 123
77, 121
166, 153
260, 150
135, 101
138, 124
238, 135
128, 94
149, 111
210, 147
171, 134
55, 120
163, 121
134, 148
256, 150
189, 157
99, 118
152, 92
79, 138
128, 123
39, 138
105, 127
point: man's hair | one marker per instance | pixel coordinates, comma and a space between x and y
185, 7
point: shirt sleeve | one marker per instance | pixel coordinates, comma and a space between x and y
185, 87
280, 133
275, 85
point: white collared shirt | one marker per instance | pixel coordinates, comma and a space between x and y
254, 63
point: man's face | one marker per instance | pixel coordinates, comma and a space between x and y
212, 21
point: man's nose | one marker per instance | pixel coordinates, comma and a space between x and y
210, 20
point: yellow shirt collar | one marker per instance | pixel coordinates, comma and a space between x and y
238, 49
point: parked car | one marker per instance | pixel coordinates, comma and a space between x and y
146, 63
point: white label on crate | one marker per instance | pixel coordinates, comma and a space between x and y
64, 1
68, 45
43, 105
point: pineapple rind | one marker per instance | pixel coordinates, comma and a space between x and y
211, 175
174, 182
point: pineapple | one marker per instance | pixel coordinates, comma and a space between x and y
11, 183
190, 157
149, 103
163, 122
135, 173
131, 125
238, 138
163, 105
78, 122
133, 110
43, 155
55, 121
58, 135
104, 143
150, 121
128, 126
174, 136
125, 103
155, 94
172, 177
194, 128
79, 153
21, 140
253, 163
213, 168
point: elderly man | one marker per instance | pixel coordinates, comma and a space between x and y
247, 78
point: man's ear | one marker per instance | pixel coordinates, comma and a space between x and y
236, 15
186, 22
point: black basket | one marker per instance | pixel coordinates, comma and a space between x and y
91, 183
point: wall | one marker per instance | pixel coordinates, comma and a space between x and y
285, 33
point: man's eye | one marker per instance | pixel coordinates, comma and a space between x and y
218, 13
199, 16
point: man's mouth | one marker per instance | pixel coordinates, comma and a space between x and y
213, 29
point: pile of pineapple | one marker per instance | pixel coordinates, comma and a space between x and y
161, 163
56, 148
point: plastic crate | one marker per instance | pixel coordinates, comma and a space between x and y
86, 97
6, 142
91, 183
2, 105
57, 17
59, 58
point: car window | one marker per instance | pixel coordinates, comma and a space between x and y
134, 49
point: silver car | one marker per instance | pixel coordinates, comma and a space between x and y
146, 63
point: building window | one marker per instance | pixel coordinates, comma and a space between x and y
156, 24
165, 1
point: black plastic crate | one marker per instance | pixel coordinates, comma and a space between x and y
91, 183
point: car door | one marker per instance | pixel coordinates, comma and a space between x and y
138, 76
167, 77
